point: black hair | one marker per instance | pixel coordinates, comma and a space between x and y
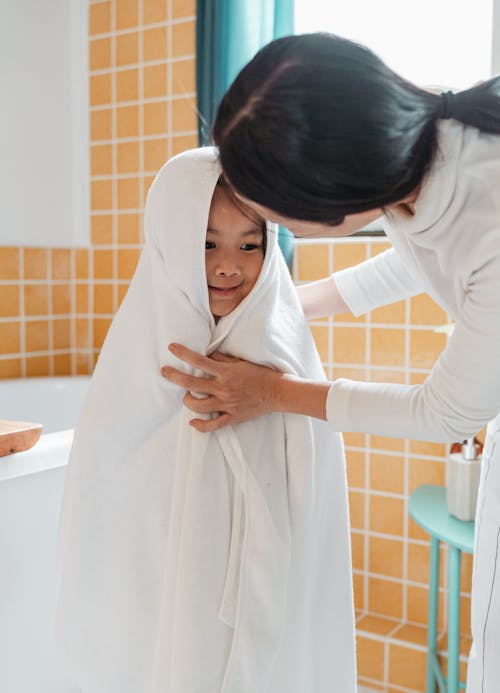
224, 186
315, 127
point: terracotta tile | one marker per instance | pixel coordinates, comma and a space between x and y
387, 347
10, 337
385, 557
81, 298
155, 154
128, 193
376, 625
101, 326
129, 228
393, 313
358, 549
103, 264
99, 54
426, 472
82, 364
61, 333
418, 604
9, 263
100, 89
407, 667
348, 254
101, 161
127, 157
9, 300
462, 666
371, 685
355, 462
320, 335
127, 121
155, 44
10, 368
386, 515
127, 49
357, 509
424, 311
378, 247
466, 572
101, 194
184, 115
154, 11
100, 125
354, 439
37, 335
35, 263
349, 345
155, 118
127, 262
182, 143
82, 333
35, 299
61, 299
464, 644
383, 443
416, 532
349, 317
423, 447
183, 76
103, 298
465, 615
127, 13
37, 365
62, 364
418, 563
387, 473
60, 262
122, 292
101, 229
358, 587
183, 8
370, 656
82, 263
425, 348
358, 374
127, 85
148, 181
385, 597
312, 262
416, 635
183, 39
155, 81
99, 18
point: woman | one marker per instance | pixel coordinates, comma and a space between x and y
318, 134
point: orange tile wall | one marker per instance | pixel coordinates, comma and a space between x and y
56, 304
396, 343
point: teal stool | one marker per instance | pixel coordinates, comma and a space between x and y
428, 509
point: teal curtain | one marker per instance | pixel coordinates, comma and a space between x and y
228, 34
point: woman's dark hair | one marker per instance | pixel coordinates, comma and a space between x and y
316, 127
223, 185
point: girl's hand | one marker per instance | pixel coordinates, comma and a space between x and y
237, 390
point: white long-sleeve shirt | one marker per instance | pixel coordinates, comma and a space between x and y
449, 249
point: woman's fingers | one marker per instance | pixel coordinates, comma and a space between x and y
188, 382
200, 406
222, 358
203, 363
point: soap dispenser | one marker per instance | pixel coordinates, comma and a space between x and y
463, 470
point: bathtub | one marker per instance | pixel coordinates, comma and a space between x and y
31, 486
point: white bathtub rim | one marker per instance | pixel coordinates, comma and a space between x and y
50, 452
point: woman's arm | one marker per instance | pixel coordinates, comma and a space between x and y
321, 298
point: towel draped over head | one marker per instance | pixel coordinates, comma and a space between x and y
190, 562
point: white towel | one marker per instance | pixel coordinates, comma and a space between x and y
202, 563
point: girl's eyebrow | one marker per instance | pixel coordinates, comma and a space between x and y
250, 232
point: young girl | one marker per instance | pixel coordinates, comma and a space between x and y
193, 563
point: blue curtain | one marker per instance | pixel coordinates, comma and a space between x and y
228, 34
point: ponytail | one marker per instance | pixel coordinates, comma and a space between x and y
478, 106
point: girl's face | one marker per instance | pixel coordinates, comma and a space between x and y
234, 254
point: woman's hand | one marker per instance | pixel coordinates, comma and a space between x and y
237, 390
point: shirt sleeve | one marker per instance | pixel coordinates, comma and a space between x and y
376, 282
460, 395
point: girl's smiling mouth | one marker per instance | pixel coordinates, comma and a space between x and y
224, 290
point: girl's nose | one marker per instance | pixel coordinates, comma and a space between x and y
227, 268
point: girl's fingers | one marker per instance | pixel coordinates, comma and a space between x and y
210, 425
188, 382
203, 363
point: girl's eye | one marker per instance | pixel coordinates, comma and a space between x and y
250, 246
209, 245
